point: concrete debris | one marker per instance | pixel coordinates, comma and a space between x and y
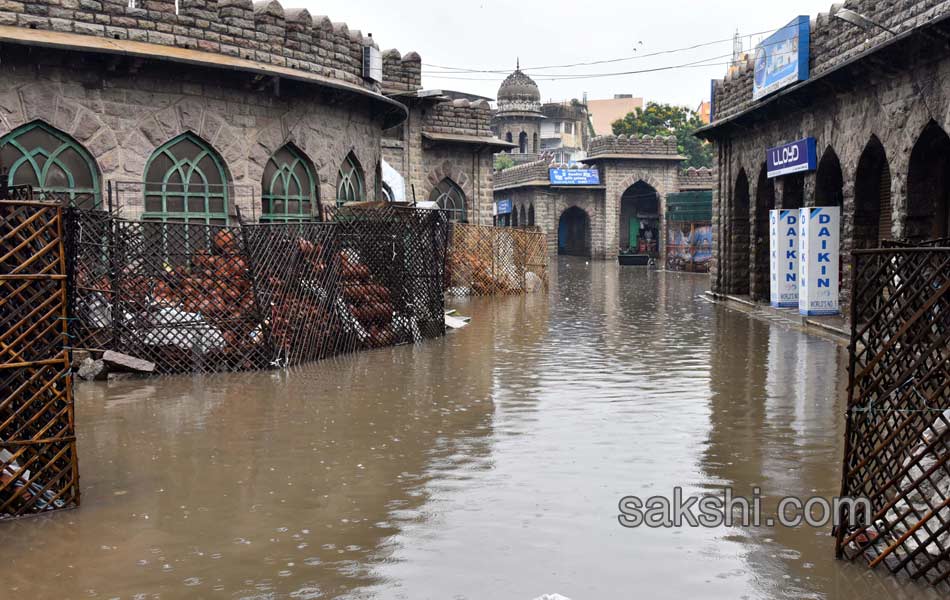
92, 370
116, 361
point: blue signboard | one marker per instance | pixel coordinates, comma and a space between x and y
792, 158
782, 58
503, 207
575, 177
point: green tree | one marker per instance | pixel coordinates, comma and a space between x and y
666, 119
503, 161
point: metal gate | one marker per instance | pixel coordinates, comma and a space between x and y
38, 464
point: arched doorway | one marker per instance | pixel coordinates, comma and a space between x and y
640, 220
531, 215
928, 186
740, 229
828, 180
524, 218
872, 197
793, 191
764, 202
573, 233
57, 167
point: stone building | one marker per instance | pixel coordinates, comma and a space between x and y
876, 103
443, 152
188, 111
636, 176
565, 131
518, 117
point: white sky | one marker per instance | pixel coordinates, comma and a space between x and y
491, 34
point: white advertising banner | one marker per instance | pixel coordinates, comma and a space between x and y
783, 253
819, 260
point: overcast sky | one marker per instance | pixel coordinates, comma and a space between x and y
491, 34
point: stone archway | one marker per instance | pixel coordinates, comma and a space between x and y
738, 236
640, 219
928, 186
573, 233
764, 202
872, 197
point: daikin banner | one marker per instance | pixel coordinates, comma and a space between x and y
783, 253
819, 261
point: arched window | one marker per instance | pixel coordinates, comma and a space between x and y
524, 219
350, 186
535, 144
56, 165
450, 198
186, 182
288, 187
508, 137
523, 143
514, 217
531, 215
388, 195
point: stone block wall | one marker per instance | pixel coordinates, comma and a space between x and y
401, 73
425, 163
121, 117
833, 42
697, 179
533, 171
621, 144
263, 31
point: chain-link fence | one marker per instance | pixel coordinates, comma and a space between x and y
208, 298
485, 260
897, 443
38, 464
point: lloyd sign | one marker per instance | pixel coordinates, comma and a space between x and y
783, 256
792, 158
818, 260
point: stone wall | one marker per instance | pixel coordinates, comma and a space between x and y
262, 31
864, 106
697, 179
519, 174
833, 42
424, 163
550, 203
120, 117
634, 146
401, 73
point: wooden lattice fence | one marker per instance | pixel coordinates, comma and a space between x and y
897, 443
485, 261
38, 463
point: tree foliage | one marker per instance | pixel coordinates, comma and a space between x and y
666, 119
503, 161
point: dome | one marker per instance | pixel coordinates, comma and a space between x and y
519, 87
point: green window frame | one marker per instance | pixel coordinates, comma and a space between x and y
53, 163
288, 187
186, 182
350, 185
449, 197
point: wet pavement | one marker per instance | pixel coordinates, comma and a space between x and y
485, 465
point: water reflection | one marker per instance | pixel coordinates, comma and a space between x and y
488, 464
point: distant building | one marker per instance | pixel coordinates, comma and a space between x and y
704, 110
565, 132
603, 113
518, 117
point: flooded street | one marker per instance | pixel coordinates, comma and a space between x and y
488, 464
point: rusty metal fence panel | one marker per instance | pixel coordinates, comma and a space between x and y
485, 260
897, 443
195, 298
38, 462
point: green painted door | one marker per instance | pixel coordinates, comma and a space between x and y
634, 232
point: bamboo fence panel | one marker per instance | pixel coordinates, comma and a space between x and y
897, 442
38, 461
487, 261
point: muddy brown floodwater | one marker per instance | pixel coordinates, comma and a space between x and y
487, 465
